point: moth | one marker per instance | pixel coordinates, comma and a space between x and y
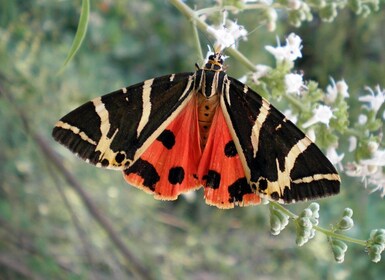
180, 132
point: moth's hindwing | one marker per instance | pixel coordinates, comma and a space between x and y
114, 130
169, 165
280, 162
221, 170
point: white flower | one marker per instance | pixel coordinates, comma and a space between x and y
293, 83
371, 170
352, 143
262, 70
228, 33
334, 157
322, 114
360, 170
378, 158
334, 89
291, 51
378, 180
362, 119
375, 101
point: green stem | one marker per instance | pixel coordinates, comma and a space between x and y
342, 237
197, 41
295, 102
325, 231
353, 132
283, 209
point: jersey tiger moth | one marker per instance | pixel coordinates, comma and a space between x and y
180, 132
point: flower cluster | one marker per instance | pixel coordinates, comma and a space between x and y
326, 113
339, 247
305, 222
376, 244
228, 33
291, 51
299, 11
278, 220
371, 156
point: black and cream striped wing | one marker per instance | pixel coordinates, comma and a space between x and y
280, 161
114, 130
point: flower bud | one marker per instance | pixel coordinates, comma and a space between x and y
275, 225
348, 212
329, 12
339, 254
345, 223
300, 241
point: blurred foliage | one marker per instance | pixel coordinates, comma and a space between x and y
46, 230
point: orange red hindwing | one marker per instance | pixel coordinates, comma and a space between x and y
169, 165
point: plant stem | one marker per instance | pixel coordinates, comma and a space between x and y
202, 26
325, 231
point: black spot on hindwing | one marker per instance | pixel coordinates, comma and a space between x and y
167, 138
238, 189
230, 150
213, 179
145, 170
176, 175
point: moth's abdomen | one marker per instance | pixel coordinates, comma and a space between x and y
206, 111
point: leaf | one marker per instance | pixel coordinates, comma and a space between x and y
80, 32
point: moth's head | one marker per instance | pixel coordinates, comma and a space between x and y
215, 62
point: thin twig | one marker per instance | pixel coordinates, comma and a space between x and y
17, 267
132, 262
79, 229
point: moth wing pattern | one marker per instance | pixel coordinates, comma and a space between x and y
221, 170
169, 165
112, 131
281, 163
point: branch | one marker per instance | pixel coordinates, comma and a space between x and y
132, 262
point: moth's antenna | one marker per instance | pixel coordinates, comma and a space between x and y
239, 38
210, 43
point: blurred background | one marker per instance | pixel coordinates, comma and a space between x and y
61, 218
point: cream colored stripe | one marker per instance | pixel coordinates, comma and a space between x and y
188, 90
261, 118
146, 106
295, 151
284, 176
104, 142
317, 177
76, 131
